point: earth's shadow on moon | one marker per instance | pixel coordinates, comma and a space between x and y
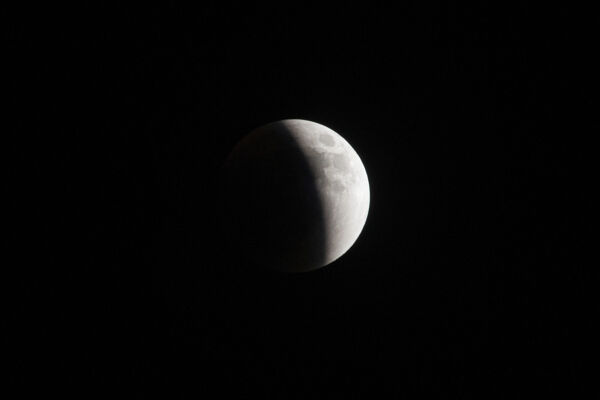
271, 212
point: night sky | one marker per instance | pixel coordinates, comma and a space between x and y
468, 279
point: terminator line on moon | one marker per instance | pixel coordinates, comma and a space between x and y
296, 195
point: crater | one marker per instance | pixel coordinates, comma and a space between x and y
340, 161
326, 139
338, 186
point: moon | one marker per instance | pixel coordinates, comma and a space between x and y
295, 195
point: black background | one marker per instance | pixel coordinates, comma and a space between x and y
467, 280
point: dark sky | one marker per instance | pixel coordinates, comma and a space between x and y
467, 279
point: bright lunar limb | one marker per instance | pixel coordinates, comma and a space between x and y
296, 195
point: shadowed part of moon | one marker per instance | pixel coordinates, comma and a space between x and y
274, 211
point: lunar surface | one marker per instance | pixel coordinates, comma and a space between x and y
295, 195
